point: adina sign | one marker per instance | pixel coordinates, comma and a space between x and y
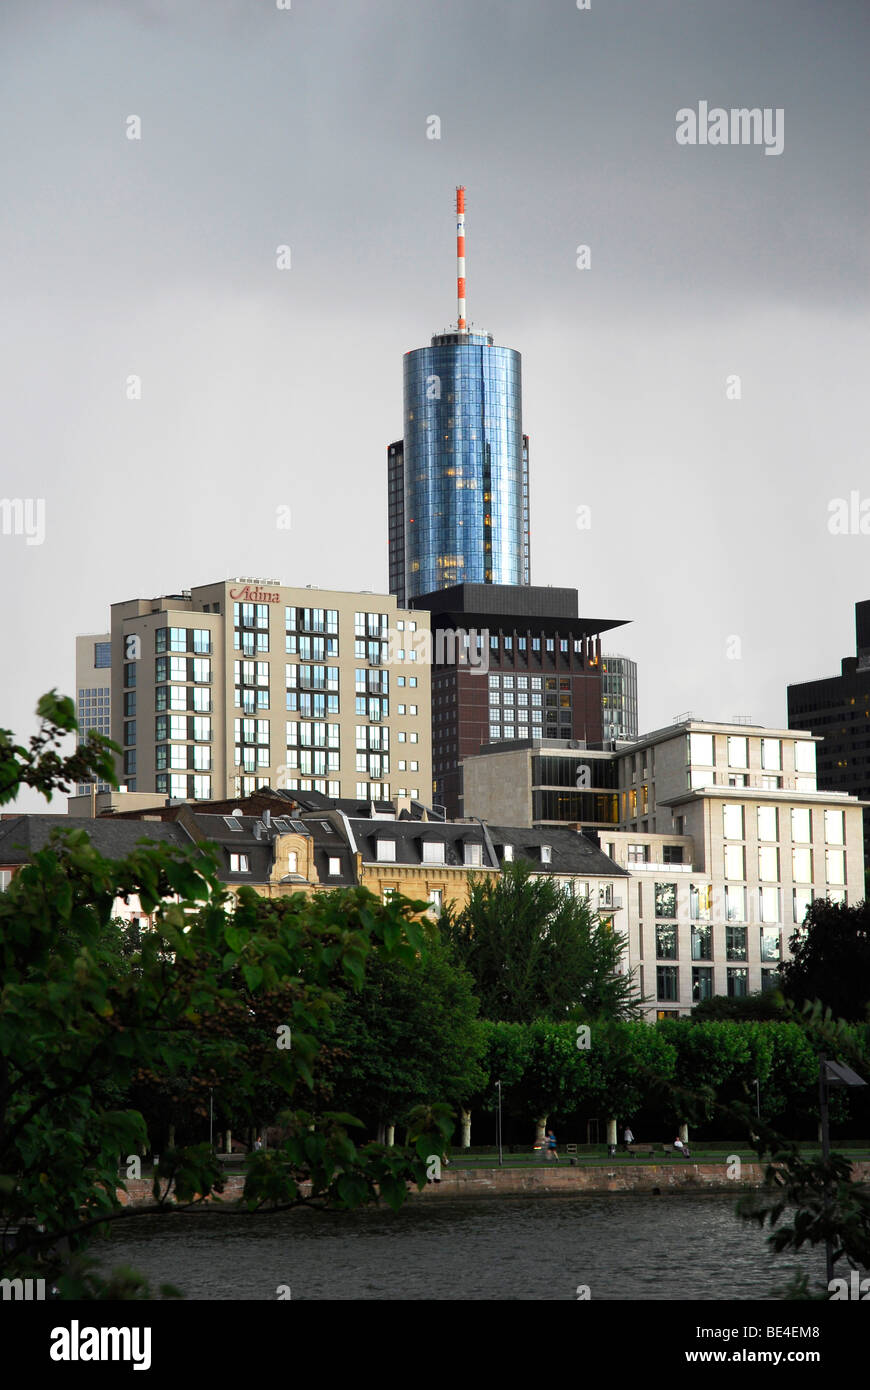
255, 595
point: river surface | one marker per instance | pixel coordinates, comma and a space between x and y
622, 1246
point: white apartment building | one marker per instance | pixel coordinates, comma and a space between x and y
728, 842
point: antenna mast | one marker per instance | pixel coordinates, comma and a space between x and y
460, 258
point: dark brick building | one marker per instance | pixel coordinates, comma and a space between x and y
838, 708
508, 661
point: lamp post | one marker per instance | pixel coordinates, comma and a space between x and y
498, 1126
831, 1074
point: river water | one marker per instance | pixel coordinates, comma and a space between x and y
620, 1246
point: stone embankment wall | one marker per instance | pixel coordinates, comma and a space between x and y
552, 1180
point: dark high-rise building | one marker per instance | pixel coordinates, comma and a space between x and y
838, 708
508, 662
458, 480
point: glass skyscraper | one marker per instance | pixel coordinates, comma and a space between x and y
458, 480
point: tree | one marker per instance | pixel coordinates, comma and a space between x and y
198, 996
409, 1036
831, 960
534, 951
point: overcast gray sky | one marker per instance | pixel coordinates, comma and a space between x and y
262, 387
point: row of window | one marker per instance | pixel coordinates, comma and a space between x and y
736, 982
701, 945
182, 639
434, 852
730, 904
700, 752
768, 824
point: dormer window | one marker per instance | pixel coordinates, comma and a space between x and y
239, 864
433, 851
473, 854
546, 854
386, 851
334, 866
508, 854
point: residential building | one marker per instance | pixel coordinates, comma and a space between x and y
838, 709
243, 683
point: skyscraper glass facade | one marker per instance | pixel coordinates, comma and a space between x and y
465, 466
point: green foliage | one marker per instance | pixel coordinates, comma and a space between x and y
831, 960
409, 1036
41, 766
534, 951
763, 1006
88, 1012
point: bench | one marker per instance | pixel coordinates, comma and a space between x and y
649, 1149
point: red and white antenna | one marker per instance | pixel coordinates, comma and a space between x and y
460, 258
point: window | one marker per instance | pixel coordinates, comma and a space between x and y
768, 904
769, 980
768, 863
546, 854
102, 654
667, 982
702, 942
835, 866
802, 865
637, 854
666, 899
737, 756
436, 900
802, 902
834, 828
433, 851
804, 757
386, 851
334, 866
771, 760
701, 749
702, 983
473, 854
800, 825
767, 823
735, 902
735, 943
239, 864
732, 821
734, 866
738, 983
666, 940
770, 943
700, 902
672, 854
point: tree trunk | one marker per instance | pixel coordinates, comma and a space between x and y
540, 1130
391, 1135
172, 1136
684, 1133
466, 1129
611, 1135
381, 1135
229, 1141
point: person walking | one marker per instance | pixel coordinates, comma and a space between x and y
551, 1145
627, 1137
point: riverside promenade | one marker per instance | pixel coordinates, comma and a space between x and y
464, 1181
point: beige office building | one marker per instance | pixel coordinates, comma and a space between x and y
247, 683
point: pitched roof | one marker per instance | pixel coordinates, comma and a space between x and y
571, 852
